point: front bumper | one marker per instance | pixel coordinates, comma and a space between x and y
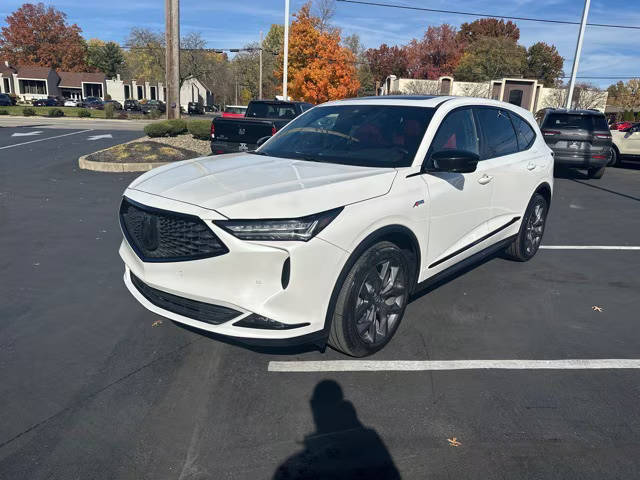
247, 280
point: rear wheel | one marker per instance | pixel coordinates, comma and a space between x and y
615, 158
596, 172
527, 242
371, 302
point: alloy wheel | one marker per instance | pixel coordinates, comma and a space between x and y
380, 301
534, 229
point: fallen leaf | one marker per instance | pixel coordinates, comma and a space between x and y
596, 308
453, 442
157, 323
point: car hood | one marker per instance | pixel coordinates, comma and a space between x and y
255, 186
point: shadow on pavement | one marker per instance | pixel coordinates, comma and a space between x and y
341, 447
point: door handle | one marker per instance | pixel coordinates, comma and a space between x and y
484, 179
531, 166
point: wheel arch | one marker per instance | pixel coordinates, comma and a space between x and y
400, 235
544, 189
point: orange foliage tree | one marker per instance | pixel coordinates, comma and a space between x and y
319, 69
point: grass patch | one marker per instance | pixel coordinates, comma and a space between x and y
67, 111
142, 152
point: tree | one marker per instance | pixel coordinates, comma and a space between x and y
325, 10
384, 61
470, 33
544, 63
146, 56
437, 54
626, 95
272, 51
320, 69
193, 58
39, 35
105, 57
365, 76
489, 58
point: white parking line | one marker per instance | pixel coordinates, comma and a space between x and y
43, 139
589, 247
426, 365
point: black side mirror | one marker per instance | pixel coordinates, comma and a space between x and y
457, 161
261, 141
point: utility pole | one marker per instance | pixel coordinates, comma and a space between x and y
172, 58
286, 50
576, 58
236, 90
260, 80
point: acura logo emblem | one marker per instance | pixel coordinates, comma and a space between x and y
150, 239
241, 131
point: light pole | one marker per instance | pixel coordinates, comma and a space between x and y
286, 49
576, 58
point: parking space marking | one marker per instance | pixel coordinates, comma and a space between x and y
43, 139
431, 365
589, 247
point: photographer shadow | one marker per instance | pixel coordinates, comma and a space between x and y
341, 447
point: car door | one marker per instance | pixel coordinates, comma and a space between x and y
513, 170
630, 141
459, 203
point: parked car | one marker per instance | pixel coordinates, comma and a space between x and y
94, 103
46, 102
72, 102
579, 139
338, 218
621, 125
132, 105
234, 111
153, 105
5, 100
116, 104
626, 145
262, 119
195, 108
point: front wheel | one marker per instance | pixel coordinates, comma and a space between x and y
527, 242
371, 301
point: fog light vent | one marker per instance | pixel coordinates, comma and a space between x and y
258, 321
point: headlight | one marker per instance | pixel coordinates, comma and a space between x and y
303, 228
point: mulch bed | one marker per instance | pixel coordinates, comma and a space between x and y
142, 152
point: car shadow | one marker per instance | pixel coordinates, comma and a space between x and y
341, 447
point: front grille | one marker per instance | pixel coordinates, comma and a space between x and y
162, 236
204, 312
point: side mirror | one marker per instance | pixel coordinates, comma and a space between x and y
457, 161
261, 141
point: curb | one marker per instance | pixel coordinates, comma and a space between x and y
116, 167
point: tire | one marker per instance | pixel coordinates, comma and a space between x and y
615, 158
527, 242
371, 301
596, 172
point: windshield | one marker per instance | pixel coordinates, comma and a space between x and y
366, 135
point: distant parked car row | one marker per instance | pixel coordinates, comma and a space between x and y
6, 100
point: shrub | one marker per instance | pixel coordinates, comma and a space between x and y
158, 129
28, 112
200, 129
84, 113
154, 114
628, 116
123, 115
4, 112
108, 110
177, 126
55, 112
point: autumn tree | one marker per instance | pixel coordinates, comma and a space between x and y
320, 68
365, 76
489, 58
36, 34
544, 63
105, 57
145, 56
626, 95
437, 54
470, 33
386, 60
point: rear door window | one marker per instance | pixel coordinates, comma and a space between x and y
524, 132
497, 132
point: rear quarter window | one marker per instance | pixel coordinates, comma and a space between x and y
525, 134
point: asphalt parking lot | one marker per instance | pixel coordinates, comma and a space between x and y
93, 387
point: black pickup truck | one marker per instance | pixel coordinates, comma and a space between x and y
263, 119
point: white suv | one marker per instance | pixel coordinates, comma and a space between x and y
323, 233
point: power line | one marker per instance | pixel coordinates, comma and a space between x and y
476, 14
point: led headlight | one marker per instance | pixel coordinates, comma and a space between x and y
302, 229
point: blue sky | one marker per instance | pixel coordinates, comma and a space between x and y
232, 24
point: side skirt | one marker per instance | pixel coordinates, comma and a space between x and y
463, 264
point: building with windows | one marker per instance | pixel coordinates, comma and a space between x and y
524, 92
192, 90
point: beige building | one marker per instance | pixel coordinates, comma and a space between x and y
192, 90
526, 93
